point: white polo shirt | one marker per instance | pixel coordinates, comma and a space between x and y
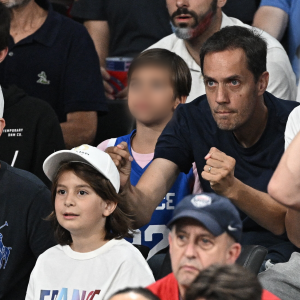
282, 82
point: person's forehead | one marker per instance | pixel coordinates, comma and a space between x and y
225, 63
128, 296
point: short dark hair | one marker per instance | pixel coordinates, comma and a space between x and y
236, 37
180, 73
140, 291
225, 282
4, 26
118, 225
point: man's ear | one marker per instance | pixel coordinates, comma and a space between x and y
3, 54
179, 100
109, 207
2, 125
221, 3
234, 252
262, 83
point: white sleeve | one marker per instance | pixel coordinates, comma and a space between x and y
30, 293
134, 272
292, 126
282, 83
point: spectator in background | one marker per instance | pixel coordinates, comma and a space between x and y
206, 229
283, 279
53, 58
159, 80
274, 16
134, 294
32, 129
229, 282
24, 233
194, 21
122, 28
234, 133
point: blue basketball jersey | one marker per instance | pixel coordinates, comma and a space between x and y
155, 234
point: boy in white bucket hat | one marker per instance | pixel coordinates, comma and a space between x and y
90, 221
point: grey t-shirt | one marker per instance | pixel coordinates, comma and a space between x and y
283, 279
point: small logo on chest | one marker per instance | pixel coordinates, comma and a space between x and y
43, 78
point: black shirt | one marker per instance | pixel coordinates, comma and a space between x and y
134, 25
243, 10
58, 63
24, 234
31, 134
192, 132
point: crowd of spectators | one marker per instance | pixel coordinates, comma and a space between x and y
199, 200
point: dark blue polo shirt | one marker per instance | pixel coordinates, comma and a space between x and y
59, 64
193, 131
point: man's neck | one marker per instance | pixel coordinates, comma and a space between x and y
146, 137
194, 45
26, 20
249, 134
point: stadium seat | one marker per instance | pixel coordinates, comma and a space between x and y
250, 258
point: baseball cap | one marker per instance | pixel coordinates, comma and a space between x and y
215, 212
1, 103
86, 154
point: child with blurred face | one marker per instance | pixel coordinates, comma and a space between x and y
158, 81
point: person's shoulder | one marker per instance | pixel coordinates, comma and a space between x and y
295, 115
50, 253
162, 284
168, 42
23, 179
125, 251
284, 107
199, 103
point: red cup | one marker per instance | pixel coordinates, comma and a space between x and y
118, 67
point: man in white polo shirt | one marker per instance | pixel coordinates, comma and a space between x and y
194, 21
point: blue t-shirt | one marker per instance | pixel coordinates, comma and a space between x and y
155, 234
188, 138
292, 8
58, 63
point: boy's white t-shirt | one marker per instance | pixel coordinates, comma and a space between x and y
63, 274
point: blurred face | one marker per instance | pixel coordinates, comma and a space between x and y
231, 90
191, 18
128, 296
15, 3
193, 248
78, 208
151, 95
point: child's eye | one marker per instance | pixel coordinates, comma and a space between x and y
61, 192
82, 193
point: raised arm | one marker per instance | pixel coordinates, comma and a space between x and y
152, 186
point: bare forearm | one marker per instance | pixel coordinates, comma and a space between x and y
285, 183
99, 32
292, 223
271, 19
260, 207
149, 192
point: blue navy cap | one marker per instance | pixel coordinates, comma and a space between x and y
215, 212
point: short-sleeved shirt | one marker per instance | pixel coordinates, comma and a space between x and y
292, 126
282, 81
59, 64
24, 232
134, 24
292, 8
191, 134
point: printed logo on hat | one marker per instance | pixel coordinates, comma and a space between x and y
201, 201
82, 149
